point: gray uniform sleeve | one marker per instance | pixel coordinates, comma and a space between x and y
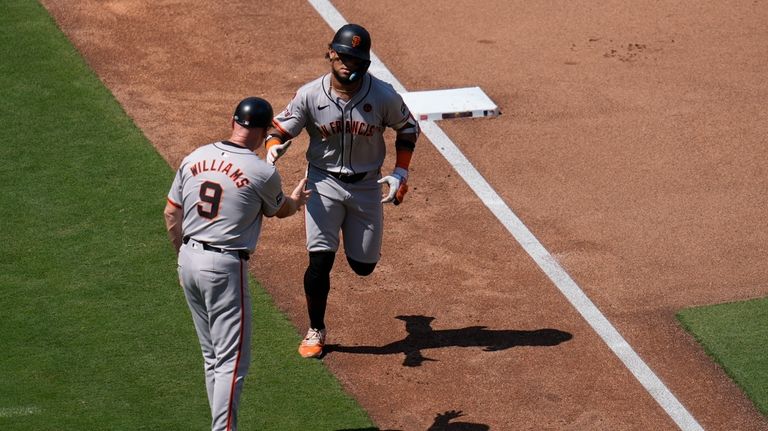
175, 195
272, 197
293, 118
398, 116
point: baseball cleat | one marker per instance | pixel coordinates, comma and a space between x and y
312, 345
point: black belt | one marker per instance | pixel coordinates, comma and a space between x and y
241, 253
348, 178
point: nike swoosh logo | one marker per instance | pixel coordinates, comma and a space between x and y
322, 107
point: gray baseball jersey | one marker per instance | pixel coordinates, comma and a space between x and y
345, 137
224, 190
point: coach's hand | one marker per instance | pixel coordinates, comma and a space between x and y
398, 186
294, 202
300, 194
276, 151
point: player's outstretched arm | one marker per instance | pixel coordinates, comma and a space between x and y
295, 201
276, 144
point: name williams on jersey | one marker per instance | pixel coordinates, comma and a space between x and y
226, 168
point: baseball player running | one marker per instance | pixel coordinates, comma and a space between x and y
213, 217
345, 113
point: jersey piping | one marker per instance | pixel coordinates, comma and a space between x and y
327, 91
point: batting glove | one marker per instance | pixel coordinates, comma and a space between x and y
398, 186
274, 152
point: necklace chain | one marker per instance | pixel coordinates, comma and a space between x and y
339, 90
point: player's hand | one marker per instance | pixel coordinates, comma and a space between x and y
397, 182
276, 151
300, 194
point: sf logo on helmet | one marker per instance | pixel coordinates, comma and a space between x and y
355, 41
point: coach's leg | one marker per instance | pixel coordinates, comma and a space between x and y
231, 321
190, 261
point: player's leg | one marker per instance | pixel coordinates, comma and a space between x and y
361, 268
323, 217
230, 315
317, 284
363, 230
189, 264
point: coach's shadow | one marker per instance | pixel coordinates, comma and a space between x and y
421, 336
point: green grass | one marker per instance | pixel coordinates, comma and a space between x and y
735, 335
95, 332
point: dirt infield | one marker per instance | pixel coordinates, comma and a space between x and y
632, 144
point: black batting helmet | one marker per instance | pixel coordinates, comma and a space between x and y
253, 112
354, 40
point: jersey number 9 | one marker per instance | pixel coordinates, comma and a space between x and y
210, 198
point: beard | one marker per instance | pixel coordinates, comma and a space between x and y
346, 80
353, 77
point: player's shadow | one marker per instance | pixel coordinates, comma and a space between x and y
442, 423
421, 336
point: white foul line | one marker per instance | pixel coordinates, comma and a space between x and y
655, 387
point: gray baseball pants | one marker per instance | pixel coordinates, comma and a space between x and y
216, 287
